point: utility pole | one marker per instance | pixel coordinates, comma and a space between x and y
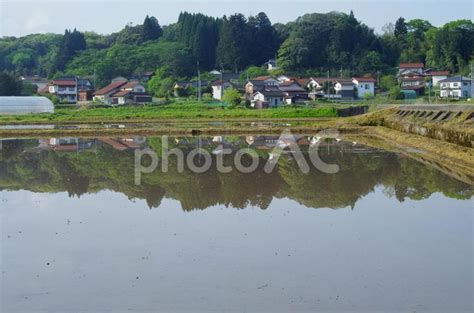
222, 84
199, 82
429, 93
95, 82
77, 91
472, 80
328, 86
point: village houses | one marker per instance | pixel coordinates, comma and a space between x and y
456, 87
121, 91
69, 89
364, 86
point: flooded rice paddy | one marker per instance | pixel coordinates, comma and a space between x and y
384, 233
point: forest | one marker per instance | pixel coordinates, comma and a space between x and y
311, 45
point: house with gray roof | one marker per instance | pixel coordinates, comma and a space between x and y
456, 87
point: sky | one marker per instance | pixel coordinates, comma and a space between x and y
22, 17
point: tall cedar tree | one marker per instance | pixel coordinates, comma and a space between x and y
151, 29
232, 51
263, 38
71, 44
201, 34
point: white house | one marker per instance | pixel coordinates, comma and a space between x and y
64, 89
271, 65
67, 88
456, 87
314, 84
437, 76
131, 92
364, 85
218, 88
262, 99
104, 94
344, 88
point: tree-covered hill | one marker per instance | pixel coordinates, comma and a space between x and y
311, 45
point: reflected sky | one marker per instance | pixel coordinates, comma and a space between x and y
402, 241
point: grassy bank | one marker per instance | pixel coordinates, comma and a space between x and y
166, 112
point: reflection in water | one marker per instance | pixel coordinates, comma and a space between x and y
104, 253
81, 166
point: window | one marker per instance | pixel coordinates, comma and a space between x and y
465, 83
367, 87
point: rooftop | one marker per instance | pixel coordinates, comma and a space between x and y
63, 82
130, 85
121, 93
455, 79
437, 73
110, 87
411, 65
262, 78
273, 93
364, 79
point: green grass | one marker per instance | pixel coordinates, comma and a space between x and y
167, 112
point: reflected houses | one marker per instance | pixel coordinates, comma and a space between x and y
71, 144
80, 166
75, 144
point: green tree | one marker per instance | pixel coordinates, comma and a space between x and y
264, 39
151, 29
453, 46
293, 54
395, 93
232, 52
401, 28
71, 44
387, 82
9, 85
161, 85
253, 71
232, 97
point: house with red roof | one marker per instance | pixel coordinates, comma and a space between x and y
131, 92
67, 88
104, 94
436, 76
410, 69
267, 80
122, 91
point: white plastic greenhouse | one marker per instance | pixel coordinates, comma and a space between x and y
25, 105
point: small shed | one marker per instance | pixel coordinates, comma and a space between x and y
25, 105
409, 95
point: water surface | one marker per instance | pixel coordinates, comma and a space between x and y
386, 233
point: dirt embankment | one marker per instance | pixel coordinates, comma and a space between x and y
448, 123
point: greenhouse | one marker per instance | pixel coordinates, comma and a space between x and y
25, 105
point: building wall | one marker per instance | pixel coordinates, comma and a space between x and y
456, 90
365, 88
217, 92
275, 101
436, 79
